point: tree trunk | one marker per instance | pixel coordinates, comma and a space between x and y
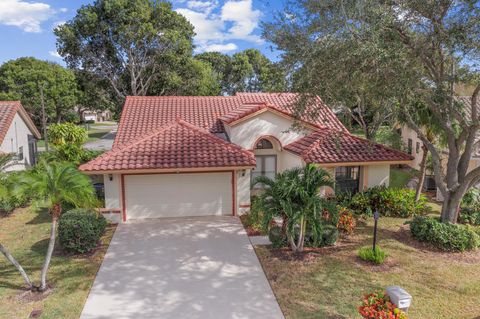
301, 235
423, 172
451, 207
48, 258
14, 262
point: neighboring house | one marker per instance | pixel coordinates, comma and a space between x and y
414, 144
96, 115
18, 135
190, 156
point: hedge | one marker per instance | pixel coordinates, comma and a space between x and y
445, 236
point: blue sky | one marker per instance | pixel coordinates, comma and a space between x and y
228, 26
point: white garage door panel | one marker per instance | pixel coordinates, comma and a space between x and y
173, 195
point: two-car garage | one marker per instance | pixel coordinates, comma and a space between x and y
178, 195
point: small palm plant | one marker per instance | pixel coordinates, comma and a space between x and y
50, 187
294, 195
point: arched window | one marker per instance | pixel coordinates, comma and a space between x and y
264, 144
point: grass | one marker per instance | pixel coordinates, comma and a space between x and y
399, 177
331, 282
25, 234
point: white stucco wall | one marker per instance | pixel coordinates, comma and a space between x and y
408, 133
16, 137
288, 160
243, 191
112, 191
247, 132
377, 175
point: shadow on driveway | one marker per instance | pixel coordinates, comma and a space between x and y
181, 268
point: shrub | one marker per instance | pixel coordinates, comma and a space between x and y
378, 306
390, 202
346, 221
469, 215
329, 235
377, 256
79, 230
471, 198
277, 237
445, 236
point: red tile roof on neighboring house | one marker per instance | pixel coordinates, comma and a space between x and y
144, 114
8, 109
177, 145
327, 147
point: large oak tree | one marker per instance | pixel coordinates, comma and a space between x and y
128, 43
424, 43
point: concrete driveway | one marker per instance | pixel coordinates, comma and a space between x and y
181, 268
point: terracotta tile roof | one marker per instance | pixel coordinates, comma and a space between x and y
144, 114
327, 147
8, 109
176, 145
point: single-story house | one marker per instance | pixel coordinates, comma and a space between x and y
190, 156
18, 135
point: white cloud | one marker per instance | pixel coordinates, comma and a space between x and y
220, 47
244, 18
206, 27
206, 6
27, 16
54, 54
216, 24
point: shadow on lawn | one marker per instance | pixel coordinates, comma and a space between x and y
41, 217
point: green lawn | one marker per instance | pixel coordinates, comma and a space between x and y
25, 234
330, 283
400, 177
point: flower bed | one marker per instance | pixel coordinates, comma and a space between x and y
378, 306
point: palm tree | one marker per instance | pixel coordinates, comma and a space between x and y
5, 160
50, 187
294, 195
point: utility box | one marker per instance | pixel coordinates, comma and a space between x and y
400, 297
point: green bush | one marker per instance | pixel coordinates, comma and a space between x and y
276, 236
377, 256
445, 236
469, 215
390, 202
329, 235
79, 230
471, 198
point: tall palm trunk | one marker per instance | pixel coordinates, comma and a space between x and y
423, 172
55, 212
48, 258
14, 262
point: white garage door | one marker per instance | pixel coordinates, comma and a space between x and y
173, 195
